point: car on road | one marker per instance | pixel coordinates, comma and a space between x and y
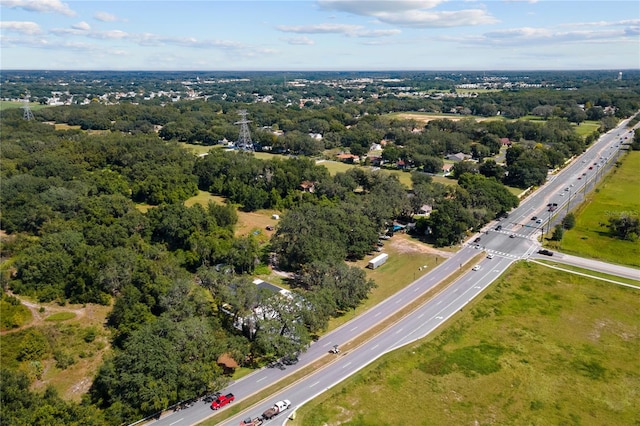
512, 236
499, 227
476, 268
476, 240
534, 218
222, 400
539, 221
490, 256
545, 252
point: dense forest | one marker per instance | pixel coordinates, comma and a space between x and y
180, 279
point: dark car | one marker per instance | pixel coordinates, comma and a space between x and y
209, 398
545, 252
499, 227
512, 236
534, 218
476, 240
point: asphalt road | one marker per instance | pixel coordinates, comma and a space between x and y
516, 240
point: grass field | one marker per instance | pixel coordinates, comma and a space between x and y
587, 127
560, 350
60, 316
617, 193
4, 105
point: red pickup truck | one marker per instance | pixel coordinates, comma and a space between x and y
222, 400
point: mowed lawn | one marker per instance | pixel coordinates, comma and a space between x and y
560, 349
618, 193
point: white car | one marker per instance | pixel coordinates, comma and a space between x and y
490, 256
476, 268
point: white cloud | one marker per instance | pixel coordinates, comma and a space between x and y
432, 19
299, 41
528, 36
106, 17
83, 26
24, 27
408, 13
373, 8
347, 30
48, 6
377, 33
319, 29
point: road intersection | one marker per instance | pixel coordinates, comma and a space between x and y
517, 239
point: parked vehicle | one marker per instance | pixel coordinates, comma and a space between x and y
252, 422
209, 398
222, 400
277, 408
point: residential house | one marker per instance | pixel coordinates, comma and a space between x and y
460, 156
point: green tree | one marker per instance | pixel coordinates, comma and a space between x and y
569, 221
625, 226
558, 233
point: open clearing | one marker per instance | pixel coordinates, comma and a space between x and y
617, 193
558, 350
66, 329
426, 117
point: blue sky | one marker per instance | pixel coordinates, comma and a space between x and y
320, 35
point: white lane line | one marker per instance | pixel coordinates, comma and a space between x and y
378, 314
354, 328
259, 380
314, 384
177, 421
420, 316
373, 348
399, 331
346, 365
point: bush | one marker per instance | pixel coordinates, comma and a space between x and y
90, 335
34, 346
63, 359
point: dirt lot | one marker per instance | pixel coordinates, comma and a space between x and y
425, 118
402, 243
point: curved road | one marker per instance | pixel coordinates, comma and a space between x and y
517, 239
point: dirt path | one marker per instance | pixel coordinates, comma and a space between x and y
38, 318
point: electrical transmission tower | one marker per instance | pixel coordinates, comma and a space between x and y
27, 115
244, 138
